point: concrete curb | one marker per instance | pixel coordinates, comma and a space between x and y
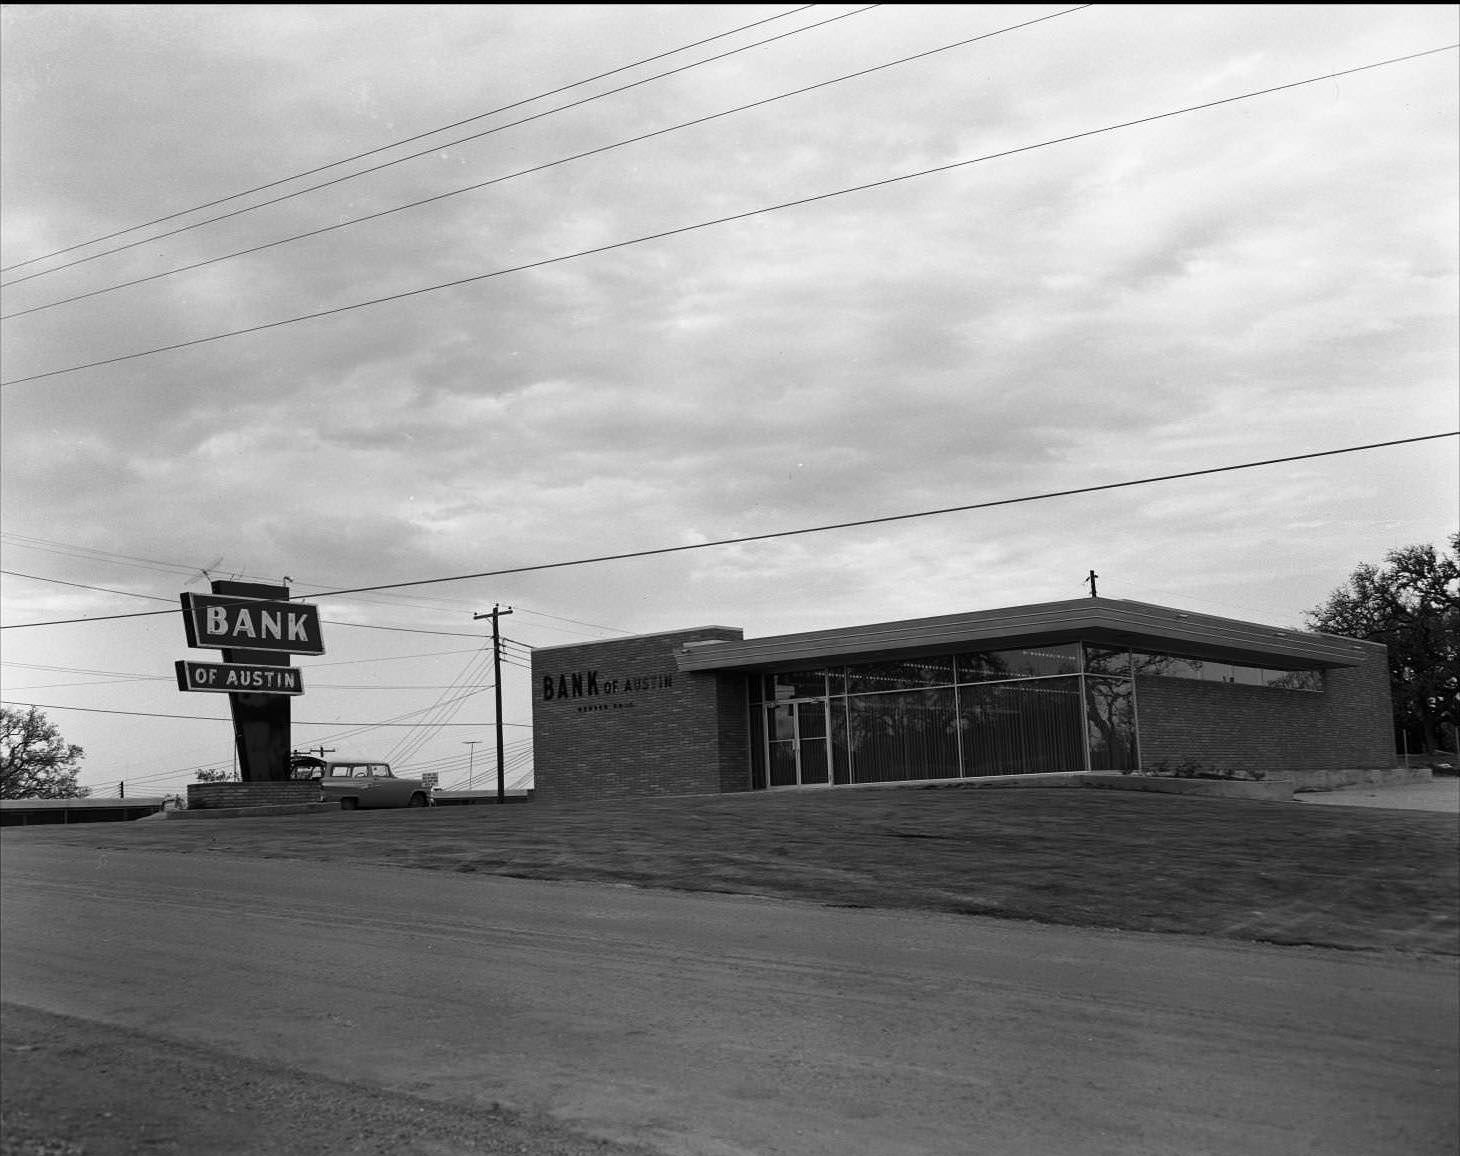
1335, 780
248, 812
1272, 789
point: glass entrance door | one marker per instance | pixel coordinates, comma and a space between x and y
796, 736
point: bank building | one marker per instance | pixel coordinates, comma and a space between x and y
1081, 686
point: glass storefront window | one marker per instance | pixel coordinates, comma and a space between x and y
1311, 680
902, 736
841, 755
1107, 660
1005, 712
1022, 728
783, 765
796, 684
783, 724
1169, 666
1110, 713
1165, 665
899, 674
757, 745
1040, 662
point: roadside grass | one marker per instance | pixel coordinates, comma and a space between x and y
1236, 869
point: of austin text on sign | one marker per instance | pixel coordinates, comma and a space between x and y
238, 678
233, 623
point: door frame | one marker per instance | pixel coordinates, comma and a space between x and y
796, 742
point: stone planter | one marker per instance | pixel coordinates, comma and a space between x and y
1272, 789
211, 796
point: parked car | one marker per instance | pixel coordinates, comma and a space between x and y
361, 783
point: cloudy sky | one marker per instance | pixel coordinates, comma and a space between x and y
581, 356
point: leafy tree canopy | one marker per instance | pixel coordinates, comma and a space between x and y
35, 762
207, 776
1412, 605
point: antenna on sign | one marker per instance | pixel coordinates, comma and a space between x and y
207, 571
1091, 581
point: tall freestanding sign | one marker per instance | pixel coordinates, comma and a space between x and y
257, 628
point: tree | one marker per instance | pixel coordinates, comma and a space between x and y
35, 762
207, 776
1412, 605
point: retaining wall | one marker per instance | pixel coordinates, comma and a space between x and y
205, 796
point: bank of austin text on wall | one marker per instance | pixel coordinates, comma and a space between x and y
581, 684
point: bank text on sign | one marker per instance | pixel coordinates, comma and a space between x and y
238, 678
231, 623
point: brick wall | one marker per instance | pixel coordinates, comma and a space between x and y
1253, 728
210, 795
618, 719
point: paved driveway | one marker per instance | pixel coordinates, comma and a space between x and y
1440, 794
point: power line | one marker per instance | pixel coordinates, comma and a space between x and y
401, 629
741, 216
406, 140
444, 708
574, 621
398, 657
884, 519
84, 586
898, 517
125, 679
159, 598
72, 669
434, 149
124, 676
121, 674
75, 550
212, 718
531, 170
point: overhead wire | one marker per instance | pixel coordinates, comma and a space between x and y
77, 550
434, 149
515, 754
885, 519
574, 621
408, 140
540, 167
474, 671
160, 598
218, 718
747, 214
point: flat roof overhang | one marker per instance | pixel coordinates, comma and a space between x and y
1103, 621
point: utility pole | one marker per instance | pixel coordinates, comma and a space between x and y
471, 754
496, 613
1091, 581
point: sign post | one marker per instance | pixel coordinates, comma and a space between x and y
257, 628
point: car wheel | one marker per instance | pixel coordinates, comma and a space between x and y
349, 804
419, 800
